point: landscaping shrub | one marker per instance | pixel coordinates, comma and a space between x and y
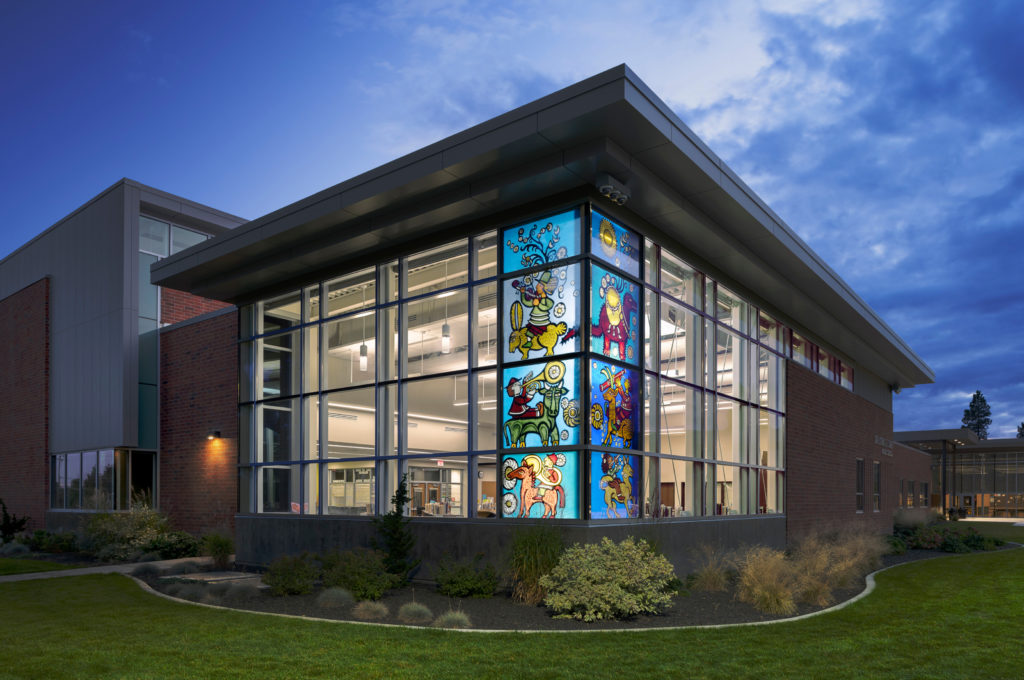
360, 570
452, 619
370, 611
766, 580
975, 541
609, 580
466, 580
124, 536
46, 541
172, 545
291, 575
10, 524
220, 547
335, 598
414, 613
897, 546
712, 573
535, 552
13, 549
394, 538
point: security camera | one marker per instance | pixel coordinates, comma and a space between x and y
612, 189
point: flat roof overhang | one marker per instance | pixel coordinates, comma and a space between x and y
609, 123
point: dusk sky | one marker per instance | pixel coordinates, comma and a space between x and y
889, 135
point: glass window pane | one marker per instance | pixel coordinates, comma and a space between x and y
311, 489
280, 367
540, 485
803, 351
681, 344
182, 238
279, 489
311, 302
732, 431
771, 380
311, 427
153, 235
543, 309
438, 486
387, 396
486, 410
614, 326
143, 478
651, 263
486, 248
438, 335
678, 491
437, 269
351, 426
350, 488
542, 404
58, 480
280, 312
770, 439
679, 415
388, 282
149, 295
650, 322
352, 292
680, 280
485, 328
727, 490
614, 485
732, 310
769, 332
89, 480
487, 485
847, 377
614, 405
542, 241
250, 379
388, 343
825, 364
769, 492
433, 422
279, 430
732, 364
613, 243
350, 356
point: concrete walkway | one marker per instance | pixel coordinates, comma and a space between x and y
126, 569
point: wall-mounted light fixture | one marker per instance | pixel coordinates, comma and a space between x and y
213, 434
612, 189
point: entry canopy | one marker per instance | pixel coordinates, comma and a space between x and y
611, 124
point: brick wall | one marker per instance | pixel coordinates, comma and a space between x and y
176, 305
24, 418
827, 429
199, 393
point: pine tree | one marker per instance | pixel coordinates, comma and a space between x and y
1020, 431
978, 416
395, 538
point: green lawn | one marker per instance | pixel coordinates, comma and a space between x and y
21, 565
1003, 530
952, 617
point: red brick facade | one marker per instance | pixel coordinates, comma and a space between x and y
176, 306
25, 384
198, 394
827, 429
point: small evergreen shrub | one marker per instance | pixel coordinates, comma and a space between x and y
609, 580
335, 598
220, 547
975, 541
766, 581
360, 570
50, 542
452, 619
897, 546
172, 545
712, 573
466, 580
10, 524
394, 537
291, 575
414, 613
370, 611
534, 552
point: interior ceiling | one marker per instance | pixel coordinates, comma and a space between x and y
552, 147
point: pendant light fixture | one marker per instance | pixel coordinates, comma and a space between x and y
446, 330
364, 361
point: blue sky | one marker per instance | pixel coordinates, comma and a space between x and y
889, 135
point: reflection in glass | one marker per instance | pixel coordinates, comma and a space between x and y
540, 485
182, 238
614, 326
153, 236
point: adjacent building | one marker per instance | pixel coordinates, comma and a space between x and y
574, 313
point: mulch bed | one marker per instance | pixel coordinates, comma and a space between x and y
501, 613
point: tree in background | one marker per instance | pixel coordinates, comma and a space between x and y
1020, 431
978, 416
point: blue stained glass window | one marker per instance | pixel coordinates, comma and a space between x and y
541, 404
614, 244
615, 315
541, 241
542, 311
614, 405
540, 485
614, 485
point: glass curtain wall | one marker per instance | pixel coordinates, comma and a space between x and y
560, 368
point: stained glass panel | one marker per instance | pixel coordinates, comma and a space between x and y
540, 485
614, 485
614, 309
614, 405
541, 241
541, 403
543, 313
614, 244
